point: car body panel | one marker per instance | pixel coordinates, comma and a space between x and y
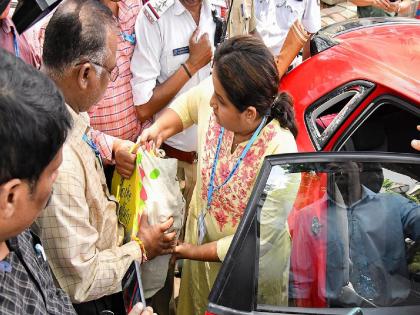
356, 58
381, 52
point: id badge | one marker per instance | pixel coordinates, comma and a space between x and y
201, 227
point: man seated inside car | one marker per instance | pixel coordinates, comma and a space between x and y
363, 232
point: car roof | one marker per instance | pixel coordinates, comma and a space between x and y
385, 52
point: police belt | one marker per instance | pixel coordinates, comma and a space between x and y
189, 157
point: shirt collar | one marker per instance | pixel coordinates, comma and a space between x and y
366, 194
179, 7
123, 11
80, 123
7, 25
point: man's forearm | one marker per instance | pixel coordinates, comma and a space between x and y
363, 3
294, 42
163, 94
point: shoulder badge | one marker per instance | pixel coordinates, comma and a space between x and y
218, 3
154, 9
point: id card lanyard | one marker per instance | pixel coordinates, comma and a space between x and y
93, 147
16, 44
202, 230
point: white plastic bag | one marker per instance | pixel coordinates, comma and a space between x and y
164, 200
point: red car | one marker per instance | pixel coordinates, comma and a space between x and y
338, 232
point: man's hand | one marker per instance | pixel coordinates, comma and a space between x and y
382, 4
124, 160
139, 309
156, 241
200, 52
416, 143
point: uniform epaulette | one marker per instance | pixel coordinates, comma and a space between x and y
218, 3
153, 9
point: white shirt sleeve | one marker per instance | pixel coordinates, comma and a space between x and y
145, 63
311, 19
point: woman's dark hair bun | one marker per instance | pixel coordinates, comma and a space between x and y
282, 110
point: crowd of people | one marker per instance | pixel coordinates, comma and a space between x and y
198, 78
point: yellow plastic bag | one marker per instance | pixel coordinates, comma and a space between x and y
131, 197
153, 187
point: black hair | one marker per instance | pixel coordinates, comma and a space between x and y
248, 73
76, 33
34, 120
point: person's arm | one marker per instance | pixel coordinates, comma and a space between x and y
205, 252
381, 4
145, 66
294, 42
299, 35
416, 143
182, 114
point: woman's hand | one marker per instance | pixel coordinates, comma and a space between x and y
416, 143
151, 138
139, 309
184, 251
205, 252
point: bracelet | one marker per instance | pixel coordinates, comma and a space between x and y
142, 248
186, 70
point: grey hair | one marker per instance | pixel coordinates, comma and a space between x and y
77, 32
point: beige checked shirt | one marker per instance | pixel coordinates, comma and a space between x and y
79, 229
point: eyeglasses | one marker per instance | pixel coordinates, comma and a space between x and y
113, 73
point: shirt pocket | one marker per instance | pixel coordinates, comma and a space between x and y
174, 62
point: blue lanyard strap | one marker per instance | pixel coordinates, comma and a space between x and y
212, 188
93, 146
16, 44
129, 38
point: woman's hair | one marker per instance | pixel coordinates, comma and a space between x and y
248, 73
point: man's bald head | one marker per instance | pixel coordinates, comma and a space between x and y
76, 32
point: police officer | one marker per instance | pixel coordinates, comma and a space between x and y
240, 17
286, 25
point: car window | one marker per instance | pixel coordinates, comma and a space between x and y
339, 234
388, 125
327, 114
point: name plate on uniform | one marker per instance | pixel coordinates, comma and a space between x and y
181, 51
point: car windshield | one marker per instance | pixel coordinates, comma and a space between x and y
339, 234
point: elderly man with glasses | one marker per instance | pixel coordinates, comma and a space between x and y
79, 228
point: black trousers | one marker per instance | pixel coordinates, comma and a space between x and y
104, 306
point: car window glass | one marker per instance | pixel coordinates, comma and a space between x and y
389, 128
339, 234
326, 115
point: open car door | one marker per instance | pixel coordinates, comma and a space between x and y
326, 233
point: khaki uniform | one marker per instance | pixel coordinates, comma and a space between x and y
242, 18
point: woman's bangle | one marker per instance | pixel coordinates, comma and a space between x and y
142, 248
186, 70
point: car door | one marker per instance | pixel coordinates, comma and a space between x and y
326, 233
